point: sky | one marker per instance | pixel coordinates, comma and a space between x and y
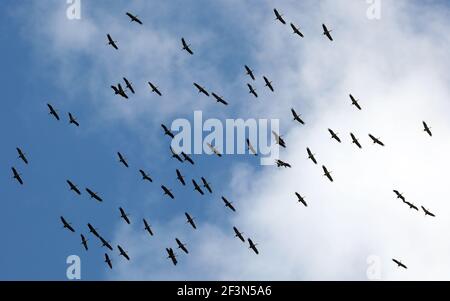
396, 65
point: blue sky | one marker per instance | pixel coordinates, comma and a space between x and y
48, 58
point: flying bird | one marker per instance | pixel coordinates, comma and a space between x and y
73, 187
297, 117
180, 178
73, 120
167, 192
399, 195
399, 264
252, 90
16, 176
355, 141
228, 204
108, 261
181, 246
252, 246
268, 83
427, 212
186, 46
238, 234
327, 173
219, 98
334, 135
53, 111
190, 220
122, 159
119, 91
376, 140
278, 16
214, 150
201, 89
124, 215
279, 140
249, 72
93, 230
327, 32
196, 187
145, 176
67, 225
411, 206
94, 195
84, 242
282, 163
171, 255
112, 42
147, 227
296, 30
301, 199
175, 155
250, 147
105, 243
167, 131
128, 84
122, 252
311, 155
154, 88
427, 129
355, 102
22, 155
206, 185
187, 158
134, 18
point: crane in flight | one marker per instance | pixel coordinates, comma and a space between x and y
16, 175
376, 140
73, 120
311, 155
134, 18
252, 246
167, 131
219, 98
201, 89
84, 242
355, 102
301, 199
296, 30
124, 215
251, 148
249, 72
187, 158
411, 206
73, 187
206, 185
334, 135
154, 88
94, 195
122, 252
105, 243
297, 117
128, 85
268, 84
214, 150
327, 173
399, 264
427, 212
196, 187
112, 42
67, 225
53, 111
167, 192
93, 230
108, 261
228, 204
181, 246
122, 159
427, 129
145, 176
180, 177
355, 141
279, 16
147, 227
252, 90
327, 32
171, 255
190, 220
278, 139
238, 234
22, 155
186, 46
175, 155
282, 164
399, 195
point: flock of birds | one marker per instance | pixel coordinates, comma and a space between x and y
183, 157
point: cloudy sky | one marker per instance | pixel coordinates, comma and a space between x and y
396, 64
